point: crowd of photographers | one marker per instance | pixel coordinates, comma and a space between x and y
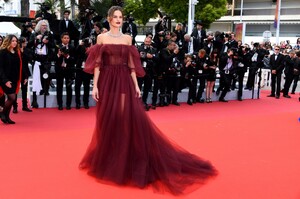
172, 61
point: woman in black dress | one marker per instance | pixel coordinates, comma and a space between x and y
10, 73
211, 75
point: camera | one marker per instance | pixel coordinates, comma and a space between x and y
87, 42
176, 67
45, 7
64, 50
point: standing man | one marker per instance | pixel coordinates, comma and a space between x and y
198, 35
277, 66
289, 73
67, 25
64, 68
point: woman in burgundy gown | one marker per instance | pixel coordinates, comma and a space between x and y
126, 147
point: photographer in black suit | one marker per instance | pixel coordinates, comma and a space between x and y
149, 58
81, 76
42, 44
289, 73
64, 68
166, 57
226, 65
277, 66
130, 28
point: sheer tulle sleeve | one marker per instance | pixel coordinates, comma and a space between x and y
134, 61
94, 59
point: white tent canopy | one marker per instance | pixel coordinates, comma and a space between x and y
7, 28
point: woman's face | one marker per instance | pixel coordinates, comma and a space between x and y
14, 42
117, 19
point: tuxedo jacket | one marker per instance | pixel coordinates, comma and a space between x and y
71, 29
198, 42
277, 64
70, 61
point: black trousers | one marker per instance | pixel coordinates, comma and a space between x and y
24, 89
251, 77
227, 83
295, 80
192, 88
145, 84
82, 78
173, 83
61, 75
276, 83
287, 84
240, 79
200, 88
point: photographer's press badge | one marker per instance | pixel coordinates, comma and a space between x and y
200, 71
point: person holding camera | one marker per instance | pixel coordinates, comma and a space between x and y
149, 58
81, 76
42, 44
64, 67
258, 54
289, 72
226, 66
202, 63
166, 57
130, 28
244, 62
190, 72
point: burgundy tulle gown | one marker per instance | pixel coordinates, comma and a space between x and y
126, 147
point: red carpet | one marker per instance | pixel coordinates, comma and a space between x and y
254, 144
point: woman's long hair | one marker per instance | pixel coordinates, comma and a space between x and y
7, 42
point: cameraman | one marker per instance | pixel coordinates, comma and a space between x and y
149, 57
190, 72
202, 63
81, 76
166, 57
226, 66
64, 67
258, 54
42, 44
130, 28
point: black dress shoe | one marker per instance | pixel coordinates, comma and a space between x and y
9, 121
77, 106
26, 109
153, 107
292, 92
176, 103
15, 110
277, 97
222, 100
86, 106
189, 102
286, 96
68, 107
35, 105
271, 95
60, 108
240, 99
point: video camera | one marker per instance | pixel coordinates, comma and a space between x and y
64, 50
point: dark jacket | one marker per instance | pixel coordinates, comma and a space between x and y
277, 65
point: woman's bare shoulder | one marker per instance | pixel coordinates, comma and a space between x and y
100, 38
128, 39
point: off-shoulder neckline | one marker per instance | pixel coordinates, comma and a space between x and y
113, 45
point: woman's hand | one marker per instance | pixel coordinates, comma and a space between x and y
8, 84
95, 94
137, 92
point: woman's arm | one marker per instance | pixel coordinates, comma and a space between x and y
95, 92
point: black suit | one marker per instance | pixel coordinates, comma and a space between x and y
198, 39
289, 73
71, 29
64, 68
278, 66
